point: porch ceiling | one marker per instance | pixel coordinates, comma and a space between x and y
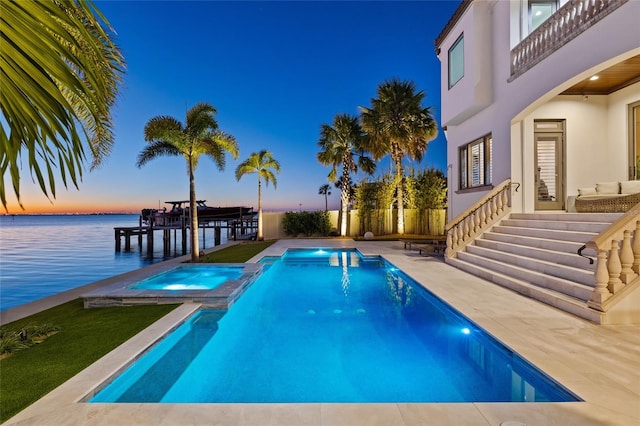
614, 78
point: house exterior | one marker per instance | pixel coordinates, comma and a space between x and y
519, 101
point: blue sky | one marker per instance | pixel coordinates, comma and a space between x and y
274, 70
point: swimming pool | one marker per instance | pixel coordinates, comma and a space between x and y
332, 326
200, 277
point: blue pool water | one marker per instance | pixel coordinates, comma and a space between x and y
204, 277
331, 326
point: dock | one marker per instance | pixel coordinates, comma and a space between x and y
238, 222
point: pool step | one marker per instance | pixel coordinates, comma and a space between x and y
536, 255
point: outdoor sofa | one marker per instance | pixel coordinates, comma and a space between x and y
608, 197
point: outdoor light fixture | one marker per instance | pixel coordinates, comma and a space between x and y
594, 78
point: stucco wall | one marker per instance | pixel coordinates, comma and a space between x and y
596, 135
614, 38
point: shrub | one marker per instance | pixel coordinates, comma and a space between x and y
307, 223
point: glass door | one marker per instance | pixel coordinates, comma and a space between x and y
549, 166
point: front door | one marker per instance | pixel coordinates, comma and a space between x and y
549, 166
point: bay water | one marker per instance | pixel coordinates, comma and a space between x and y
41, 255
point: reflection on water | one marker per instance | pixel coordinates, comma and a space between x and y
322, 328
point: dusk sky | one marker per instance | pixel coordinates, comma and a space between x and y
274, 70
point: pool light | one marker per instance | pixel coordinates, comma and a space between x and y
465, 330
176, 287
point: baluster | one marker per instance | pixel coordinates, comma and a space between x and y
476, 224
461, 232
615, 268
505, 197
600, 292
490, 210
450, 246
626, 259
483, 215
467, 229
636, 249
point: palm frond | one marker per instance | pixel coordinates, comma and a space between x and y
157, 149
163, 127
58, 67
263, 163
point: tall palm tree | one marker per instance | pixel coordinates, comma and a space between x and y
398, 124
60, 74
326, 191
264, 165
199, 135
340, 144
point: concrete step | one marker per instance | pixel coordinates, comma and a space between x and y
561, 225
578, 290
533, 242
553, 269
572, 217
569, 258
550, 297
536, 255
550, 234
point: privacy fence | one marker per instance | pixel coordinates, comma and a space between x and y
380, 222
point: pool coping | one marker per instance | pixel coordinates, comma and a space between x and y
600, 364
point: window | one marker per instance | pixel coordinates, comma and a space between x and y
475, 163
539, 11
456, 61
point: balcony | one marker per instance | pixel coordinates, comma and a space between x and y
573, 18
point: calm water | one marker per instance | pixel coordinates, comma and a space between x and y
45, 255
331, 326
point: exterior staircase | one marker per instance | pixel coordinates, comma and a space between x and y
536, 255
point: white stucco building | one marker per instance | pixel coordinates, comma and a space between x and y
520, 98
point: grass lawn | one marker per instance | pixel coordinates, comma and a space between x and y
238, 253
86, 335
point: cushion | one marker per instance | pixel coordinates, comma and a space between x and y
586, 191
630, 187
608, 188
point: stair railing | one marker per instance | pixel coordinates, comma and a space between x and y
479, 217
618, 258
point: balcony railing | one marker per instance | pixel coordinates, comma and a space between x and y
573, 18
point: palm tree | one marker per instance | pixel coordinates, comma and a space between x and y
340, 144
398, 124
60, 74
264, 165
326, 191
199, 135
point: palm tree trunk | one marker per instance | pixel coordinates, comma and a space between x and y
260, 237
399, 193
193, 210
344, 202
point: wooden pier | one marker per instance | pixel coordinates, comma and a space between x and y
237, 229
